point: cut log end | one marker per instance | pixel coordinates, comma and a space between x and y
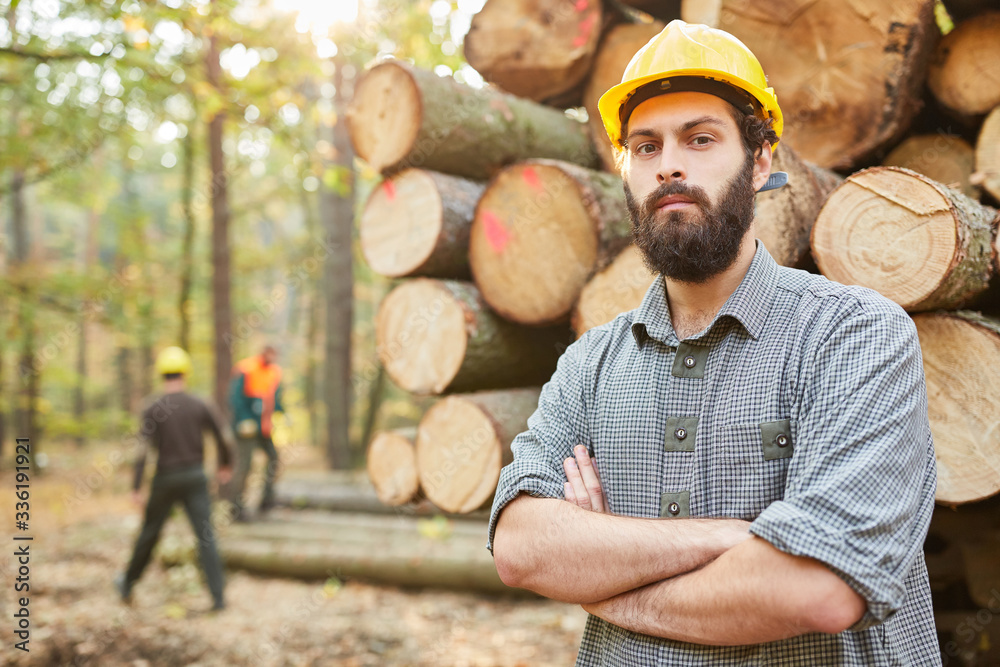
536, 49
401, 223
988, 154
392, 467
617, 289
459, 455
944, 158
961, 356
964, 74
890, 230
421, 333
533, 244
385, 115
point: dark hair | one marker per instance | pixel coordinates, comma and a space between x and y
172, 376
754, 131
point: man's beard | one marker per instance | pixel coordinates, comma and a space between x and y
693, 246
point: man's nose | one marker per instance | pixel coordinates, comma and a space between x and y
671, 166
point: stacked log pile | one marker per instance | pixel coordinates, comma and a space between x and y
504, 214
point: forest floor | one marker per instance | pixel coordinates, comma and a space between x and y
83, 525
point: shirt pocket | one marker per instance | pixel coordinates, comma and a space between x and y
751, 465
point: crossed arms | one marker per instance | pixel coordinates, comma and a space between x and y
706, 581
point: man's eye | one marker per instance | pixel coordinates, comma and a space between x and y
645, 148
702, 140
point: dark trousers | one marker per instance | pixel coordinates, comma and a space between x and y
190, 487
245, 448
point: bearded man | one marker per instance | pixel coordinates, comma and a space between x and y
741, 470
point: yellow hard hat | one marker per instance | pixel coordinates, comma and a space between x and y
690, 57
173, 360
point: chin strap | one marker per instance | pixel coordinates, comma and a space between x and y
775, 181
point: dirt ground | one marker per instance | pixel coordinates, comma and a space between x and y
83, 525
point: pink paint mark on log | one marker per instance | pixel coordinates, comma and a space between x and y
581, 5
530, 177
496, 233
390, 189
584, 30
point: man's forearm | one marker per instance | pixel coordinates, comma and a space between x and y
752, 594
566, 553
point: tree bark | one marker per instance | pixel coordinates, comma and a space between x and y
402, 116
848, 76
394, 552
964, 73
619, 288
338, 278
537, 49
945, 158
222, 318
184, 304
909, 238
436, 336
416, 223
616, 49
542, 228
464, 440
785, 217
988, 155
88, 260
961, 352
392, 466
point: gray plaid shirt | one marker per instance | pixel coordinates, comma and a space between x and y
801, 408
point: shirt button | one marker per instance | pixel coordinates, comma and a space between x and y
781, 440
690, 361
681, 433
674, 508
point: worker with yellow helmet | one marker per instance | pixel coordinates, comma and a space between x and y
740, 470
173, 424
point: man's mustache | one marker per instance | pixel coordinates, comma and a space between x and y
695, 193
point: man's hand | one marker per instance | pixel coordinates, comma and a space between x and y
584, 486
224, 474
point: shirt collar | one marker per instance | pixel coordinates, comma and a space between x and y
748, 304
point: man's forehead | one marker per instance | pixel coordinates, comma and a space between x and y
680, 108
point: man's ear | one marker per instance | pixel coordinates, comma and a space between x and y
762, 166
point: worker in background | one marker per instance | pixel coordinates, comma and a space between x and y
173, 425
254, 397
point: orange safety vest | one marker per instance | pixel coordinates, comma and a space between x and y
260, 381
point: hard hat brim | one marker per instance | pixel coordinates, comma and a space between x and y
612, 101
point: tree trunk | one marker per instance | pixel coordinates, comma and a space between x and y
619, 288
538, 49
338, 281
393, 550
392, 466
184, 303
944, 158
222, 318
416, 223
964, 74
541, 230
988, 154
848, 76
785, 217
375, 390
911, 239
27, 400
88, 261
464, 440
436, 336
402, 117
961, 353
615, 51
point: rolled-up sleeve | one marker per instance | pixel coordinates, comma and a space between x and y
557, 425
860, 487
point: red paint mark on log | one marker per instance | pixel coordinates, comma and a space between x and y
585, 28
390, 189
581, 5
530, 177
496, 233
